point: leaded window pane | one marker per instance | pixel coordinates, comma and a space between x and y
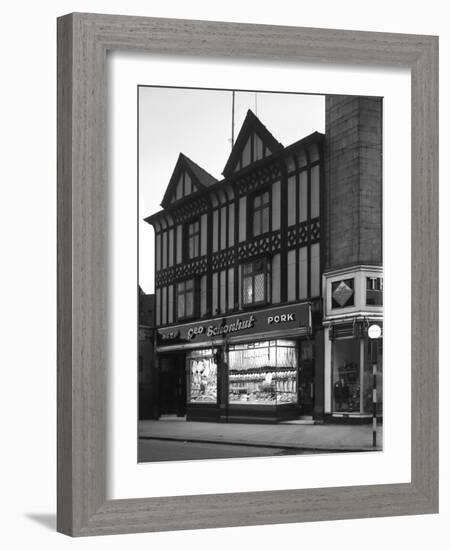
248, 290
254, 282
259, 287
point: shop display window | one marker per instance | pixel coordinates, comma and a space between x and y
202, 381
346, 375
263, 373
353, 376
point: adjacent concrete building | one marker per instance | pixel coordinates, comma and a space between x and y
353, 275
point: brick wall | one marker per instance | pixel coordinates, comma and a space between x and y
353, 181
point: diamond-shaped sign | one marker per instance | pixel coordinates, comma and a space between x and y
342, 293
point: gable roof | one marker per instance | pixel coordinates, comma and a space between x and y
251, 125
199, 177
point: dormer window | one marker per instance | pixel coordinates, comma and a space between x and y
184, 187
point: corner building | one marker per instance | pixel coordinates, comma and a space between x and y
242, 279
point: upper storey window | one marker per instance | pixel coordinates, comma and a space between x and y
260, 213
185, 299
374, 292
254, 282
193, 239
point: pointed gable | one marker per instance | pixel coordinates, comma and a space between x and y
187, 178
253, 143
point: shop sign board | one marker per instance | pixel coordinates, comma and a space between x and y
261, 321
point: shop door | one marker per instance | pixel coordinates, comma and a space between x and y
306, 378
172, 385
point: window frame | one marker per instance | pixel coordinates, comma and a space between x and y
251, 210
379, 279
188, 237
184, 292
266, 273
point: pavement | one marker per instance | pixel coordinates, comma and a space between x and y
284, 435
157, 450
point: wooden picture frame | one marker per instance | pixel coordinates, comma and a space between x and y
83, 41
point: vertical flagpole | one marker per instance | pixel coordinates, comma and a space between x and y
232, 121
374, 395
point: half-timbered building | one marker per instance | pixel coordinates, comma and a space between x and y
238, 280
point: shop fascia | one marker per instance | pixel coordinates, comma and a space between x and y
296, 316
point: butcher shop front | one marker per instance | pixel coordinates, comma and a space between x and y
252, 367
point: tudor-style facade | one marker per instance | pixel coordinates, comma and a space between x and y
248, 245
268, 279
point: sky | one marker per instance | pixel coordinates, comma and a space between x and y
197, 122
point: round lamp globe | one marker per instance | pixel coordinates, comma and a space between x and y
374, 332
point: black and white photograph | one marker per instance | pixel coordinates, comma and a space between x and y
225, 223
260, 273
